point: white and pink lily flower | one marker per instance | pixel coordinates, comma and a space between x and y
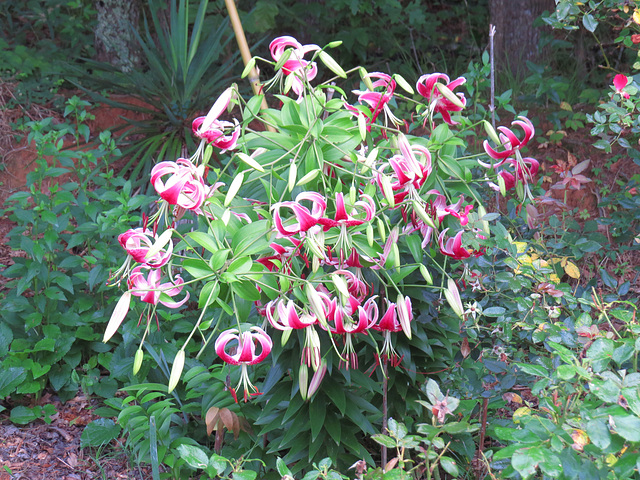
305, 219
383, 88
426, 86
245, 353
302, 70
138, 241
410, 169
215, 131
524, 171
509, 141
149, 288
284, 316
180, 183
397, 317
362, 208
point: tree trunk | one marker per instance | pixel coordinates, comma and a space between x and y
114, 39
516, 40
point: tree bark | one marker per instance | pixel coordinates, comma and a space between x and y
114, 39
517, 40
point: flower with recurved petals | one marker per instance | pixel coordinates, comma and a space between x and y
305, 218
180, 183
426, 86
302, 70
215, 131
378, 98
138, 241
510, 142
149, 288
453, 246
245, 353
397, 317
341, 218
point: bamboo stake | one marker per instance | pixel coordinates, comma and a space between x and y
254, 76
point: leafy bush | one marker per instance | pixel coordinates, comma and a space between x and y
64, 249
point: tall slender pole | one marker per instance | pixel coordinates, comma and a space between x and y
254, 77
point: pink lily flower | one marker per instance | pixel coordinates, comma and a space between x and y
409, 172
137, 243
440, 209
281, 260
149, 288
397, 317
510, 142
453, 246
285, 317
306, 219
212, 130
341, 218
184, 187
426, 86
378, 99
524, 171
245, 353
619, 82
301, 69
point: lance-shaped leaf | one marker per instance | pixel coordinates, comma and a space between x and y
118, 315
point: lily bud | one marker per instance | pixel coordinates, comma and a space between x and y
118, 315
250, 161
159, 244
234, 188
137, 361
452, 294
303, 381
316, 380
176, 370
315, 302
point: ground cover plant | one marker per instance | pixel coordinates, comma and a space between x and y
433, 339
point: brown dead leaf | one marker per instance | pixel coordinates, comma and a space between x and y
465, 349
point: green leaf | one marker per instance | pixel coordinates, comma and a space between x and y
494, 311
600, 353
627, 426
589, 22
218, 462
526, 460
194, 456
23, 415
317, 413
204, 240
208, 294
384, 440
10, 378
99, 432
244, 475
537, 370
599, 434
449, 466
197, 268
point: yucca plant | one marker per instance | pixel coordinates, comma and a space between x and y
184, 70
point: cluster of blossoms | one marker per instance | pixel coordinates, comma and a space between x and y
315, 233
